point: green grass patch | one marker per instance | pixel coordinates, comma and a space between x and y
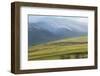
61, 49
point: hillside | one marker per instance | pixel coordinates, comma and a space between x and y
68, 48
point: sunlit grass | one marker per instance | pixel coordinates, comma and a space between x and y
51, 50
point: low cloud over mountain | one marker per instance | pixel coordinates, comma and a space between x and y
47, 28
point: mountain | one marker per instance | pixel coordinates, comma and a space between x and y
53, 28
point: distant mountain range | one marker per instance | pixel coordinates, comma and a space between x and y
51, 28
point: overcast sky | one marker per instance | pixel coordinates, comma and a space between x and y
34, 18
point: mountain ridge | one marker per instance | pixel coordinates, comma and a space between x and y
53, 29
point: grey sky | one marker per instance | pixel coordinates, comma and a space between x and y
34, 18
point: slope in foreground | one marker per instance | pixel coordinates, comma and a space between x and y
69, 48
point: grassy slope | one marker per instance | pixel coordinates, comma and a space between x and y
60, 49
